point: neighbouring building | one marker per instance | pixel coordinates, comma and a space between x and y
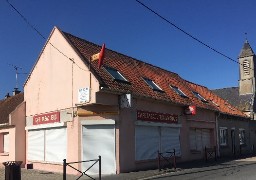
12, 128
125, 110
236, 135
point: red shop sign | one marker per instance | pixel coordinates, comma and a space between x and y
46, 118
156, 117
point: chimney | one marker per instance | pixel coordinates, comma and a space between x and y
15, 91
7, 96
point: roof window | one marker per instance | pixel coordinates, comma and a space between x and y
115, 74
153, 85
200, 97
179, 92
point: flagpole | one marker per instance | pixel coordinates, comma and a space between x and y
90, 78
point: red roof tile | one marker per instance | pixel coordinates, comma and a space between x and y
8, 105
134, 70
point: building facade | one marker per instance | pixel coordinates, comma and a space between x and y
124, 111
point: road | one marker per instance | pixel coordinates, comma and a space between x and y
218, 172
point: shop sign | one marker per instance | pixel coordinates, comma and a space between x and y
156, 117
190, 110
46, 118
83, 95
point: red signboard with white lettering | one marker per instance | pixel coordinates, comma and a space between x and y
46, 118
156, 117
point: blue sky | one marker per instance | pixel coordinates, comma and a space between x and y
129, 28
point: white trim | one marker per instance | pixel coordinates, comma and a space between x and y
44, 126
145, 123
223, 127
97, 122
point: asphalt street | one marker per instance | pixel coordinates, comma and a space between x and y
241, 169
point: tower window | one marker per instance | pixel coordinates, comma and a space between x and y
246, 67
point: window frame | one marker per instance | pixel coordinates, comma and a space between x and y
152, 84
241, 135
223, 136
117, 76
199, 96
179, 91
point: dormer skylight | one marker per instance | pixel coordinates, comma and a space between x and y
179, 92
115, 74
153, 85
200, 97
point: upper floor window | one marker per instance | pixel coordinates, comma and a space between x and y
153, 85
178, 91
115, 74
246, 67
200, 97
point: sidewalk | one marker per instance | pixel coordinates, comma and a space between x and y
182, 168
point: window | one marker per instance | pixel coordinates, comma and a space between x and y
223, 136
242, 136
5, 141
151, 139
115, 74
49, 145
246, 67
153, 85
199, 139
200, 97
178, 91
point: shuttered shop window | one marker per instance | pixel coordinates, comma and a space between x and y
47, 145
206, 138
170, 139
36, 145
150, 139
55, 145
199, 138
147, 142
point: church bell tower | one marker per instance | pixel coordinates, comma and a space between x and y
247, 70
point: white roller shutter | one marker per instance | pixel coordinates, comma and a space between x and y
199, 144
192, 139
170, 139
99, 140
36, 145
55, 144
206, 137
147, 142
6, 142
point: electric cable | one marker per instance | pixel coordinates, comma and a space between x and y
186, 33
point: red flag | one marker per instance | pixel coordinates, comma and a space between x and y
101, 56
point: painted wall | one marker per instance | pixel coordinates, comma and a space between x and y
235, 124
17, 138
54, 81
204, 119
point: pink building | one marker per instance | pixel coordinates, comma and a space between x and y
125, 111
12, 129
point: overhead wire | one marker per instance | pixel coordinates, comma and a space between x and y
186, 33
41, 35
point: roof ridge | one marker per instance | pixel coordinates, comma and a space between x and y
135, 59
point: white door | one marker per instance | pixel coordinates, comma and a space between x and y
99, 140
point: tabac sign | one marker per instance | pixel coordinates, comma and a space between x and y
156, 117
46, 118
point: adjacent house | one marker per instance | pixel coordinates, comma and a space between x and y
12, 128
125, 110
